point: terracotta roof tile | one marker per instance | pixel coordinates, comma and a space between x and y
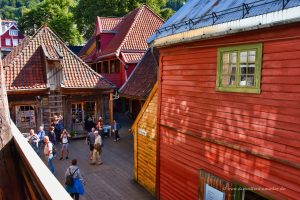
24, 68
143, 78
131, 31
132, 57
107, 24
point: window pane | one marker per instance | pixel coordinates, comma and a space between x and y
251, 69
225, 80
243, 57
233, 57
251, 56
225, 58
250, 80
243, 80
243, 68
225, 69
232, 69
232, 80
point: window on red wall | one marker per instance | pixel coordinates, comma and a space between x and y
99, 66
98, 44
105, 67
94, 67
114, 66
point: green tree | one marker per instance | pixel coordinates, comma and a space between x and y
57, 14
12, 9
87, 10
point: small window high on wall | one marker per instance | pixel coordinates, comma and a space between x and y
239, 68
114, 66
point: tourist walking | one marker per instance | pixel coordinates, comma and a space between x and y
33, 140
74, 181
97, 150
48, 152
65, 143
115, 128
41, 134
90, 140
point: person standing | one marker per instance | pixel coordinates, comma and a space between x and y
48, 152
41, 134
90, 140
77, 188
65, 143
33, 140
97, 150
52, 135
115, 128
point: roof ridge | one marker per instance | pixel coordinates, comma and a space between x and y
131, 26
141, 8
9, 28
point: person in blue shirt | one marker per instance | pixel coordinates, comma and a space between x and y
41, 134
115, 128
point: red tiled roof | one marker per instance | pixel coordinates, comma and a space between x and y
25, 69
107, 24
51, 52
143, 78
131, 31
132, 57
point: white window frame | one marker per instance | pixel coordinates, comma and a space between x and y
15, 42
13, 32
8, 42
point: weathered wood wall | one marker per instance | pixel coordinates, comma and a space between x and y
145, 135
252, 139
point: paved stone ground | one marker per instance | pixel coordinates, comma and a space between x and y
112, 180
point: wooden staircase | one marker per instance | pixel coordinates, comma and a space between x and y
52, 105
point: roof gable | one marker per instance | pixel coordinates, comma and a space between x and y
24, 66
131, 31
143, 78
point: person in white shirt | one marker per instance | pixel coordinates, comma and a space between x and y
48, 152
65, 143
97, 150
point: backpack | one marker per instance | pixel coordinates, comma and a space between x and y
70, 179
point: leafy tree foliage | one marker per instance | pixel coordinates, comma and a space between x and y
87, 10
57, 14
12, 9
175, 4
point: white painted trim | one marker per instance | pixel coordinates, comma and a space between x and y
281, 17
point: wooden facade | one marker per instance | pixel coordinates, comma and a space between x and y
145, 139
251, 140
47, 79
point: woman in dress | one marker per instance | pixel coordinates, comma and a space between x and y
77, 188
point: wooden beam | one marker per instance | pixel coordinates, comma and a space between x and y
111, 108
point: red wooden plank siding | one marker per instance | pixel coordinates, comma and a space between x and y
252, 139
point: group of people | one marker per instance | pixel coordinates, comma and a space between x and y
57, 134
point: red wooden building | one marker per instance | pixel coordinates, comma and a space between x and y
10, 36
141, 81
229, 101
118, 44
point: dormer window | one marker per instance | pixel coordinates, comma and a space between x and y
98, 43
13, 32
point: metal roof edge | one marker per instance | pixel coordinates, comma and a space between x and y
271, 19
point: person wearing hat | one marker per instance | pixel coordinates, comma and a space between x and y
48, 152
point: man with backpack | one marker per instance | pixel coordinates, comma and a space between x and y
74, 181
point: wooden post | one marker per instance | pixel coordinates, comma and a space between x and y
111, 108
